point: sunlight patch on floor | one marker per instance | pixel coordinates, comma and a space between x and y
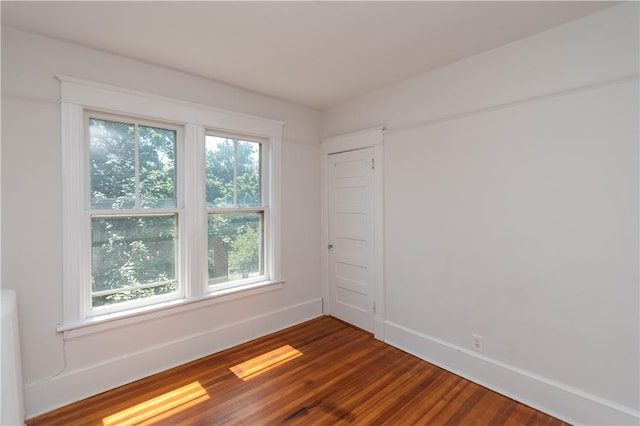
265, 362
160, 407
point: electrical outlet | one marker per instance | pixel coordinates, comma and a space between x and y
476, 342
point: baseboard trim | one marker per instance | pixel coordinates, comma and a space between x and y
564, 402
75, 385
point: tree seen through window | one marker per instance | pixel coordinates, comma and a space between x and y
234, 202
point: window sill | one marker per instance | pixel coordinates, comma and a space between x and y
148, 313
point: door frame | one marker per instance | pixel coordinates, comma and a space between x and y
369, 138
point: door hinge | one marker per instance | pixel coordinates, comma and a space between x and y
373, 164
374, 308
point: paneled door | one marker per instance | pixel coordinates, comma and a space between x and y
351, 233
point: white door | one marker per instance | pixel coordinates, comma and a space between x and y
351, 233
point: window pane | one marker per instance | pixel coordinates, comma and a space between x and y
113, 169
248, 184
132, 257
220, 170
235, 246
157, 167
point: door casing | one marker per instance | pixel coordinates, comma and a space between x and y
348, 142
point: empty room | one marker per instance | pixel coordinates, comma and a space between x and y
320, 212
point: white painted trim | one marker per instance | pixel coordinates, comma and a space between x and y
73, 157
70, 386
324, 232
173, 307
273, 211
564, 402
195, 220
79, 96
378, 248
349, 142
90, 93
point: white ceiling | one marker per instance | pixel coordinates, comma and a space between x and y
317, 54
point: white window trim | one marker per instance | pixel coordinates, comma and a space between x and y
79, 96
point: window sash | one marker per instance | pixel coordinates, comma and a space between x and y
98, 276
178, 166
263, 167
242, 257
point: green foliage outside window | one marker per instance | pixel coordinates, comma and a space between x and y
133, 167
233, 181
132, 257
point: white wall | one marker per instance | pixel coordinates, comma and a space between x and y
56, 371
511, 211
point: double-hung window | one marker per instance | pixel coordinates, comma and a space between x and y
134, 212
235, 199
165, 203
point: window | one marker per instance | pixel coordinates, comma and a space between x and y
133, 210
164, 202
235, 209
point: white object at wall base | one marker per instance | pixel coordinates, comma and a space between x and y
75, 385
561, 401
12, 404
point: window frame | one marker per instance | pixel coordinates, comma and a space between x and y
80, 97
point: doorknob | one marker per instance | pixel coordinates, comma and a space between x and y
330, 246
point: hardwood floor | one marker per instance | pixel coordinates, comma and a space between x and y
322, 372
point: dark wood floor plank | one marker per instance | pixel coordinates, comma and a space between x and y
322, 372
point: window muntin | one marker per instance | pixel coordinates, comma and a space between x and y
133, 215
236, 211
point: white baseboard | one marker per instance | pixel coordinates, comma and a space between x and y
564, 402
75, 385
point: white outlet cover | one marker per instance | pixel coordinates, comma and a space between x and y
476, 342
